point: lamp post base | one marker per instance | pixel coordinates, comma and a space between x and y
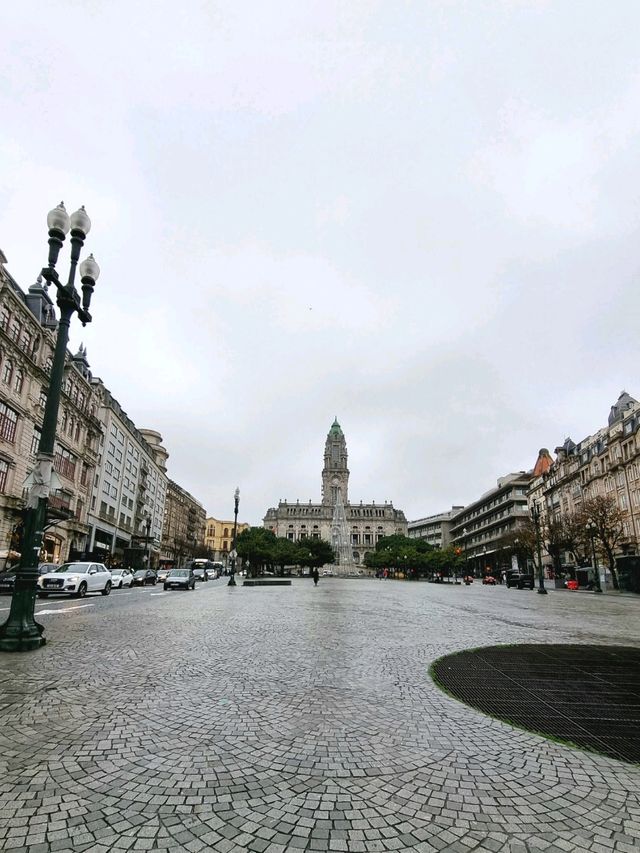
21, 633
542, 591
232, 581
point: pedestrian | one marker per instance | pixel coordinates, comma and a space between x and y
316, 576
503, 577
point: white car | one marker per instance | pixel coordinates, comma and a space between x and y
75, 579
121, 578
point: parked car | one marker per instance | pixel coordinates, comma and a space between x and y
75, 579
180, 579
144, 577
520, 580
328, 573
121, 578
489, 579
8, 576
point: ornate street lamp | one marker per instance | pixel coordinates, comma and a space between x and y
535, 515
592, 529
21, 632
233, 555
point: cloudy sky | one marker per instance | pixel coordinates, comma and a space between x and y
421, 217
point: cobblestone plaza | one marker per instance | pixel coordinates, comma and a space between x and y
297, 719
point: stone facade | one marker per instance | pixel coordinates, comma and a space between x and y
367, 523
27, 341
606, 463
219, 538
435, 529
480, 527
184, 526
129, 487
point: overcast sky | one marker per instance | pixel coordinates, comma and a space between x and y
421, 217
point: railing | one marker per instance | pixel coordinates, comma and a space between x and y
63, 466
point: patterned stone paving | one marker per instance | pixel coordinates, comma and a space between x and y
298, 719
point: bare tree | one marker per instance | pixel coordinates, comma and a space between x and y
577, 541
555, 540
607, 518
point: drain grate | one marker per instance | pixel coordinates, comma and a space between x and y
588, 695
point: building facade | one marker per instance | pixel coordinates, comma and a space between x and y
434, 529
606, 463
219, 538
479, 528
27, 340
366, 523
129, 488
183, 531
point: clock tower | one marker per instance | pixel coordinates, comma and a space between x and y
335, 474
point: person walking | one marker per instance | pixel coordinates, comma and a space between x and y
316, 576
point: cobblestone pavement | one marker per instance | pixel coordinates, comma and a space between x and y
298, 719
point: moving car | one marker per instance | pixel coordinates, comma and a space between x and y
520, 581
75, 579
180, 579
489, 579
121, 578
144, 577
161, 575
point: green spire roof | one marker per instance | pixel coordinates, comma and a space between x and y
336, 429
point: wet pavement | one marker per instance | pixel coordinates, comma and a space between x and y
289, 719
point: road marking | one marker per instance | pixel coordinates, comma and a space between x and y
62, 609
158, 593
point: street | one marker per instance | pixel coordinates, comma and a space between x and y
297, 718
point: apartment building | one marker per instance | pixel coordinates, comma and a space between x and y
434, 529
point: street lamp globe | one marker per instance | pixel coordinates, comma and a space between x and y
89, 268
80, 221
58, 219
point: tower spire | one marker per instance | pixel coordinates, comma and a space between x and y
335, 474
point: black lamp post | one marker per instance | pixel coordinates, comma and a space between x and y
535, 515
21, 633
147, 547
591, 530
464, 545
236, 501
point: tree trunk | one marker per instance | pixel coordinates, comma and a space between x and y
612, 568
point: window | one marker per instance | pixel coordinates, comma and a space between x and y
42, 400
5, 318
7, 372
64, 462
15, 327
26, 341
8, 422
84, 476
4, 471
48, 364
35, 440
18, 382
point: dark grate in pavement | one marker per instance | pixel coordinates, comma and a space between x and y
585, 695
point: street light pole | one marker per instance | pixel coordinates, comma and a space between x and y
147, 548
535, 514
21, 633
591, 528
236, 501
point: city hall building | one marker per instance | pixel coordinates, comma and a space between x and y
366, 523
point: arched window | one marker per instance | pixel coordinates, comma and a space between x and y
65, 419
48, 364
77, 432
7, 372
18, 382
226, 532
